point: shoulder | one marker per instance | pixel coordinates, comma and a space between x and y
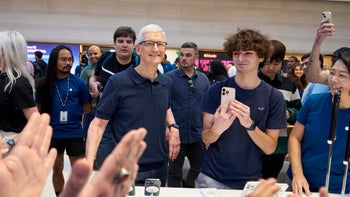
172, 73
22, 82
319, 98
164, 79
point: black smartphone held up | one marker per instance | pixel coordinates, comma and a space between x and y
152, 187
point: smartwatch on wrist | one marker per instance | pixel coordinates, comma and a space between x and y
176, 126
252, 127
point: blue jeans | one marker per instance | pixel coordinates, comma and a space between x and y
105, 148
205, 181
158, 173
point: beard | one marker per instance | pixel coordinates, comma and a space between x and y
65, 70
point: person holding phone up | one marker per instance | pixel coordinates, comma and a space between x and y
237, 131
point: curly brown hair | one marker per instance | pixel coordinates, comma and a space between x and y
248, 40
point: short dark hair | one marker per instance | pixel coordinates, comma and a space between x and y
124, 31
337, 52
345, 58
190, 45
306, 55
38, 54
279, 51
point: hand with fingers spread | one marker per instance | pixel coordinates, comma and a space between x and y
103, 183
24, 171
299, 183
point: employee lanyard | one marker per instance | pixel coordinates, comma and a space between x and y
59, 95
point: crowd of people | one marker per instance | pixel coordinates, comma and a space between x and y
125, 114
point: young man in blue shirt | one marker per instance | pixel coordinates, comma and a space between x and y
237, 131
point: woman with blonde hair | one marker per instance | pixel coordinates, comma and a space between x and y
16, 85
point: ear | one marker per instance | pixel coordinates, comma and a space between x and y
137, 49
261, 59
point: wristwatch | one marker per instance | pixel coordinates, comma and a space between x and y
252, 127
176, 126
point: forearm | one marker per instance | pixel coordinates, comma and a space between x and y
170, 117
294, 151
313, 70
264, 141
210, 136
95, 133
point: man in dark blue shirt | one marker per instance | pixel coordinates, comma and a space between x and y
140, 97
189, 86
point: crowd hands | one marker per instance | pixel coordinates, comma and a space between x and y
23, 172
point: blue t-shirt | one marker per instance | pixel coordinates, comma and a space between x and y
234, 158
315, 115
131, 101
78, 94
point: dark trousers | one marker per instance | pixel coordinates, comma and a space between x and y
272, 165
194, 153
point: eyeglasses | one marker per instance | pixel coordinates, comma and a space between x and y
150, 44
191, 85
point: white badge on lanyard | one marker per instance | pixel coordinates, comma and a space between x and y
63, 117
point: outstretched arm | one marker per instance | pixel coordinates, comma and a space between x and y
313, 70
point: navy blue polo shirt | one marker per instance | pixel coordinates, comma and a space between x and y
186, 99
130, 101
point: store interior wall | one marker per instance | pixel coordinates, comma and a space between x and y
206, 22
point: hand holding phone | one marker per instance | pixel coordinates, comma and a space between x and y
227, 93
327, 15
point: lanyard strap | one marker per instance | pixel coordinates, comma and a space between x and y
59, 95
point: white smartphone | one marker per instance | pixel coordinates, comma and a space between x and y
327, 15
227, 93
251, 185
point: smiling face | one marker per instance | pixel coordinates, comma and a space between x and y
246, 61
298, 71
152, 48
94, 53
339, 78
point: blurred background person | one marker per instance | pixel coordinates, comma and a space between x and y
217, 71
298, 76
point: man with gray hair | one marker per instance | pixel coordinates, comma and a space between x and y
120, 104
